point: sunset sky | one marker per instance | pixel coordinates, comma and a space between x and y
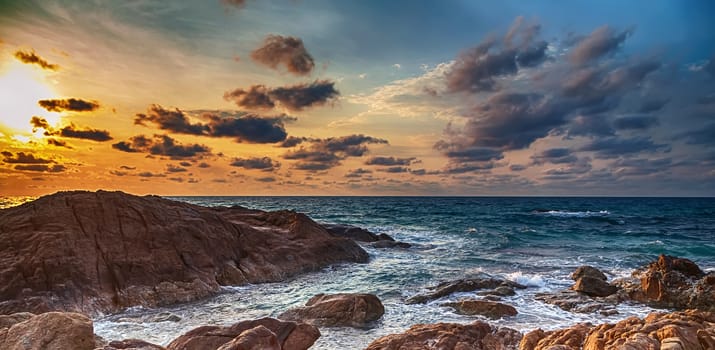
369, 97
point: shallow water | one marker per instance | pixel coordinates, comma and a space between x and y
534, 241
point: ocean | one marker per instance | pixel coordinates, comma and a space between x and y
535, 241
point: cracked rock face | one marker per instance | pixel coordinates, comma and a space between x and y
95, 252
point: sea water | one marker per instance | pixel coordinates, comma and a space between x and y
537, 242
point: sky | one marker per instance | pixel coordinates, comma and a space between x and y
369, 97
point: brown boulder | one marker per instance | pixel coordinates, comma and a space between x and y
130, 344
256, 338
594, 287
290, 335
588, 271
104, 251
672, 282
491, 309
338, 310
50, 331
690, 330
6, 321
450, 336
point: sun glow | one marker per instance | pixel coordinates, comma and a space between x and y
21, 86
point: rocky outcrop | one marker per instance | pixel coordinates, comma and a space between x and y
338, 310
486, 308
462, 285
592, 282
573, 301
253, 334
478, 335
689, 330
49, 331
359, 234
130, 344
671, 282
103, 251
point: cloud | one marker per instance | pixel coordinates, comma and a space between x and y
640, 166
235, 3
284, 50
704, 135
147, 174
292, 141
395, 169
69, 104
245, 127
175, 169
264, 163
70, 131
32, 58
294, 98
517, 167
357, 173
58, 143
600, 42
389, 161
653, 105
613, 147
56, 168
161, 145
185, 164
477, 68
554, 156
266, 179
322, 154
204, 165
590, 125
635, 122
24, 158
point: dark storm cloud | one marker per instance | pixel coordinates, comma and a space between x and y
601, 42
57, 168
635, 122
23, 158
322, 154
475, 69
260, 163
69, 104
161, 145
389, 161
86, 134
245, 127
32, 58
294, 98
612, 147
284, 50
554, 156
172, 120
292, 141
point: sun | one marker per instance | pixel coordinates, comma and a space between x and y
21, 86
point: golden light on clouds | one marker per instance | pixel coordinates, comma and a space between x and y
22, 86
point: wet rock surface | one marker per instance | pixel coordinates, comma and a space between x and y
359, 234
103, 251
338, 310
463, 285
491, 309
49, 331
478, 335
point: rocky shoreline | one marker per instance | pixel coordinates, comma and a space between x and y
73, 255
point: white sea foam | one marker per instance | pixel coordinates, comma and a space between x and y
529, 280
578, 214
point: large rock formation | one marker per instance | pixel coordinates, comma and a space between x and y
254, 334
103, 251
671, 282
338, 310
450, 336
49, 331
689, 330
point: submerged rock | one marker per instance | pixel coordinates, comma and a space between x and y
49, 331
671, 282
462, 285
104, 251
478, 335
338, 310
486, 308
249, 335
690, 330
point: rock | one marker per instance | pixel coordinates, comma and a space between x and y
338, 310
99, 252
502, 291
130, 344
355, 233
672, 282
588, 271
594, 287
256, 338
50, 331
390, 244
691, 330
489, 309
573, 301
478, 335
290, 335
462, 285
6, 321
